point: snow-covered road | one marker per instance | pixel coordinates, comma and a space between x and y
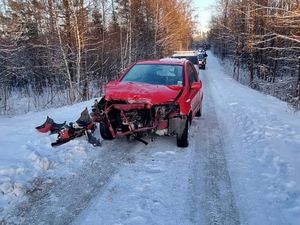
240, 168
262, 147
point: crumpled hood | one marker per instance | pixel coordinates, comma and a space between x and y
141, 92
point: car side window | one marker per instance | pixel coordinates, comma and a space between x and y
192, 74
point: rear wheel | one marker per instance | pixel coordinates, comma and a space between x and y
105, 132
182, 141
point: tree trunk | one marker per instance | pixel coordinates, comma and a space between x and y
103, 38
68, 65
156, 27
299, 78
130, 35
50, 5
224, 52
82, 28
250, 42
69, 37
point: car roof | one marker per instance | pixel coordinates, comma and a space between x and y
168, 61
185, 53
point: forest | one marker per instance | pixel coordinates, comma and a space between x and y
260, 39
58, 52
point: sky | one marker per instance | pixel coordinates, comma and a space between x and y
204, 9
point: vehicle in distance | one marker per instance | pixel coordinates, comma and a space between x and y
189, 55
156, 96
202, 60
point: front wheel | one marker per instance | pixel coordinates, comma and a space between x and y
105, 132
199, 113
182, 141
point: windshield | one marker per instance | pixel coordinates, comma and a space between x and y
201, 56
155, 74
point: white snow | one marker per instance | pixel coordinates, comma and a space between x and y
262, 142
241, 167
26, 154
148, 191
172, 60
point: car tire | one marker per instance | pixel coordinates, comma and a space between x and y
199, 113
105, 132
182, 141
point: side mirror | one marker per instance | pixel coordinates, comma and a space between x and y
197, 85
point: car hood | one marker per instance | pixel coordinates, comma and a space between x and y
141, 92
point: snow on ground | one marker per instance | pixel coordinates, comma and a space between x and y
262, 139
144, 191
240, 167
26, 154
260, 136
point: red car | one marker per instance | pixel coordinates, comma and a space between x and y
157, 96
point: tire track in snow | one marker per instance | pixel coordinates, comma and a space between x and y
260, 143
62, 201
219, 200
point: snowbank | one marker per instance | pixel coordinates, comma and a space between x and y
26, 154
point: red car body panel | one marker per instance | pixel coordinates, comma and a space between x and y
126, 106
156, 94
141, 92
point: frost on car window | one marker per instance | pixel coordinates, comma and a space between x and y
158, 74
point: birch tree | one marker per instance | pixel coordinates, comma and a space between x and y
265, 37
57, 52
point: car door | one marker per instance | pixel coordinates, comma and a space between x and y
194, 95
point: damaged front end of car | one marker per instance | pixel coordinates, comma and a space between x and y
119, 118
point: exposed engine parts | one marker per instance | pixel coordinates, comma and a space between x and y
123, 119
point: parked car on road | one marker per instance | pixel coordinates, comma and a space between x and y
202, 57
157, 96
189, 55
